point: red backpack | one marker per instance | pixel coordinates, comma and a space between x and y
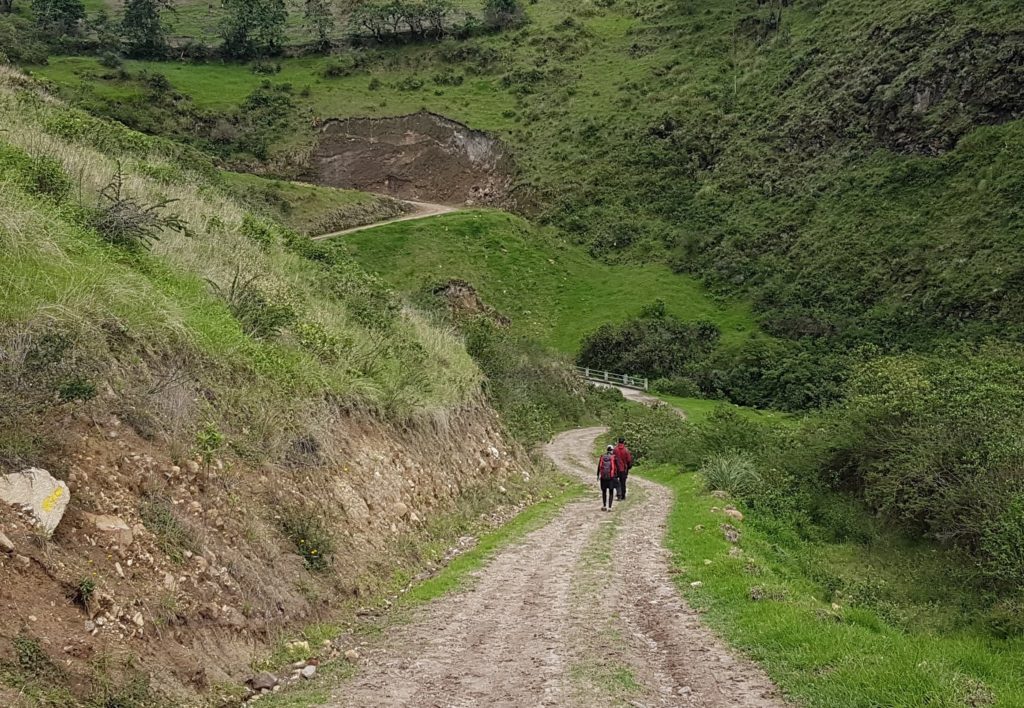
607, 466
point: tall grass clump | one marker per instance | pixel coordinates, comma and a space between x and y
734, 472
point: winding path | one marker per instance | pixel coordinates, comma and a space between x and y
581, 612
421, 210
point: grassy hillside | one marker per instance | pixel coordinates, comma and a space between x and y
229, 297
807, 162
309, 209
552, 291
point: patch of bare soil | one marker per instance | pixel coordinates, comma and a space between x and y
580, 612
420, 157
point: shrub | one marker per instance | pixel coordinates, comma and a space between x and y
20, 41
42, 176
111, 60
655, 344
82, 592
536, 395
129, 223
1006, 618
171, 536
503, 14
409, 83
657, 434
258, 315
337, 69
208, 441
265, 68
677, 386
448, 78
734, 472
46, 177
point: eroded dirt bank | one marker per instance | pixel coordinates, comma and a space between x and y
421, 157
581, 612
206, 569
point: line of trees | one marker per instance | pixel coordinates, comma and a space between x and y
251, 28
393, 18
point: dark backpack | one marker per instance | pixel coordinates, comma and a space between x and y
607, 466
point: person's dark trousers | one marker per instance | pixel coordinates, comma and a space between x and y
609, 488
622, 485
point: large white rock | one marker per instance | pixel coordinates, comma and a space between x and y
35, 490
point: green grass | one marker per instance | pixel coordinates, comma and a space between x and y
857, 655
698, 409
307, 208
551, 290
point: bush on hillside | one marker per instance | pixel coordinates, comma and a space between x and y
42, 176
656, 345
656, 434
773, 373
536, 394
677, 386
132, 224
504, 14
21, 42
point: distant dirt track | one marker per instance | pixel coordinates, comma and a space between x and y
421, 210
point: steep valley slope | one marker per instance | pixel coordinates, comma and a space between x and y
250, 437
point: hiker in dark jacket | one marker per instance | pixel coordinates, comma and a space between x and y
623, 464
606, 474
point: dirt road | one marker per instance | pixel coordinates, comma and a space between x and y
420, 210
581, 612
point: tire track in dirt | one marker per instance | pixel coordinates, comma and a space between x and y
519, 635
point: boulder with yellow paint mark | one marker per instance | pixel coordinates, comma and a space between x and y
36, 491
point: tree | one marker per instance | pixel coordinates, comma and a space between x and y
143, 29
320, 20
58, 17
436, 13
6, 5
370, 17
502, 14
252, 27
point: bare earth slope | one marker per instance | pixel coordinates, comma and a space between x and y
581, 612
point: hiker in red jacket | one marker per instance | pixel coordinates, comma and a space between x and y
623, 463
606, 473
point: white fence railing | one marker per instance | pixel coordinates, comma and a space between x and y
612, 379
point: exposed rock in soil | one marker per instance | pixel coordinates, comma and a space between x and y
36, 491
463, 299
422, 157
113, 526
